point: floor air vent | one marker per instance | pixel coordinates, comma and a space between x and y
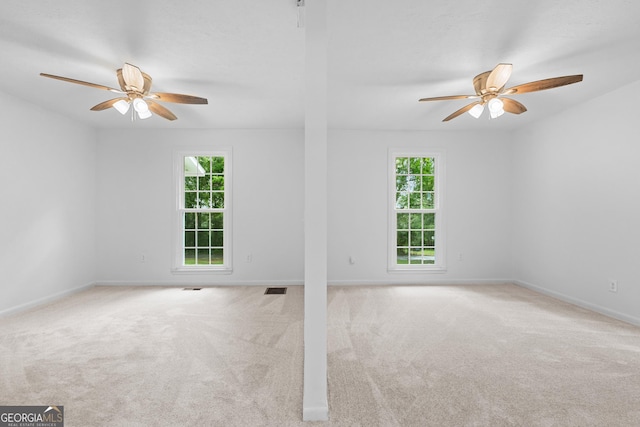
275, 291
192, 289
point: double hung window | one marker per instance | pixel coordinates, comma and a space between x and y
204, 213
416, 233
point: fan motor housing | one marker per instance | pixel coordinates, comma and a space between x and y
480, 82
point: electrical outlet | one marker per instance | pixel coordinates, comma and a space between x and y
249, 257
613, 285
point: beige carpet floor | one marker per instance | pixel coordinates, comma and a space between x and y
478, 356
484, 355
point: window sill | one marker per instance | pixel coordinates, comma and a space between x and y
201, 270
422, 270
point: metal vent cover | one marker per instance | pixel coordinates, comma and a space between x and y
275, 291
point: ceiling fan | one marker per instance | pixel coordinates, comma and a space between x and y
490, 91
135, 87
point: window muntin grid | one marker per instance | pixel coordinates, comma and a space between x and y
203, 211
415, 233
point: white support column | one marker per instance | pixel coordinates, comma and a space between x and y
315, 403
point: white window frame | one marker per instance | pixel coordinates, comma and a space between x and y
179, 210
439, 265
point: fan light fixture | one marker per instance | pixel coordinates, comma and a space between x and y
496, 108
477, 110
490, 90
122, 106
142, 108
135, 89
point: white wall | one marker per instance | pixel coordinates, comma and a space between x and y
47, 214
553, 206
136, 200
477, 205
135, 190
577, 204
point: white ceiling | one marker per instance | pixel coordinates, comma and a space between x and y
247, 57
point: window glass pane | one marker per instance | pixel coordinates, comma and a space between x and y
189, 238
216, 221
190, 200
205, 162
429, 238
427, 183
428, 256
415, 221
402, 165
189, 256
415, 165
192, 167
427, 200
204, 182
416, 238
189, 220
217, 165
217, 256
403, 238
401, 183
204, 200
216, 238
429, 221
190, 183
428, 165
217, 182
203, 239
415, 256
402, 256
203, 256
217, 200
402, 220
203, 220
414, 200
413, 183
402, 200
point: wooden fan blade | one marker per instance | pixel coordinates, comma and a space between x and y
121, 82
146, 77
480, 82
160, 110
80, 82
446, 98
107, 104
178, 98
147, 83
132, 77
461, 111
498, 77
544, 84
512, 106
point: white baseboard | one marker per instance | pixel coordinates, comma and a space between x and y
580, 303
44, 300
414, 281
200, 283
301, 282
